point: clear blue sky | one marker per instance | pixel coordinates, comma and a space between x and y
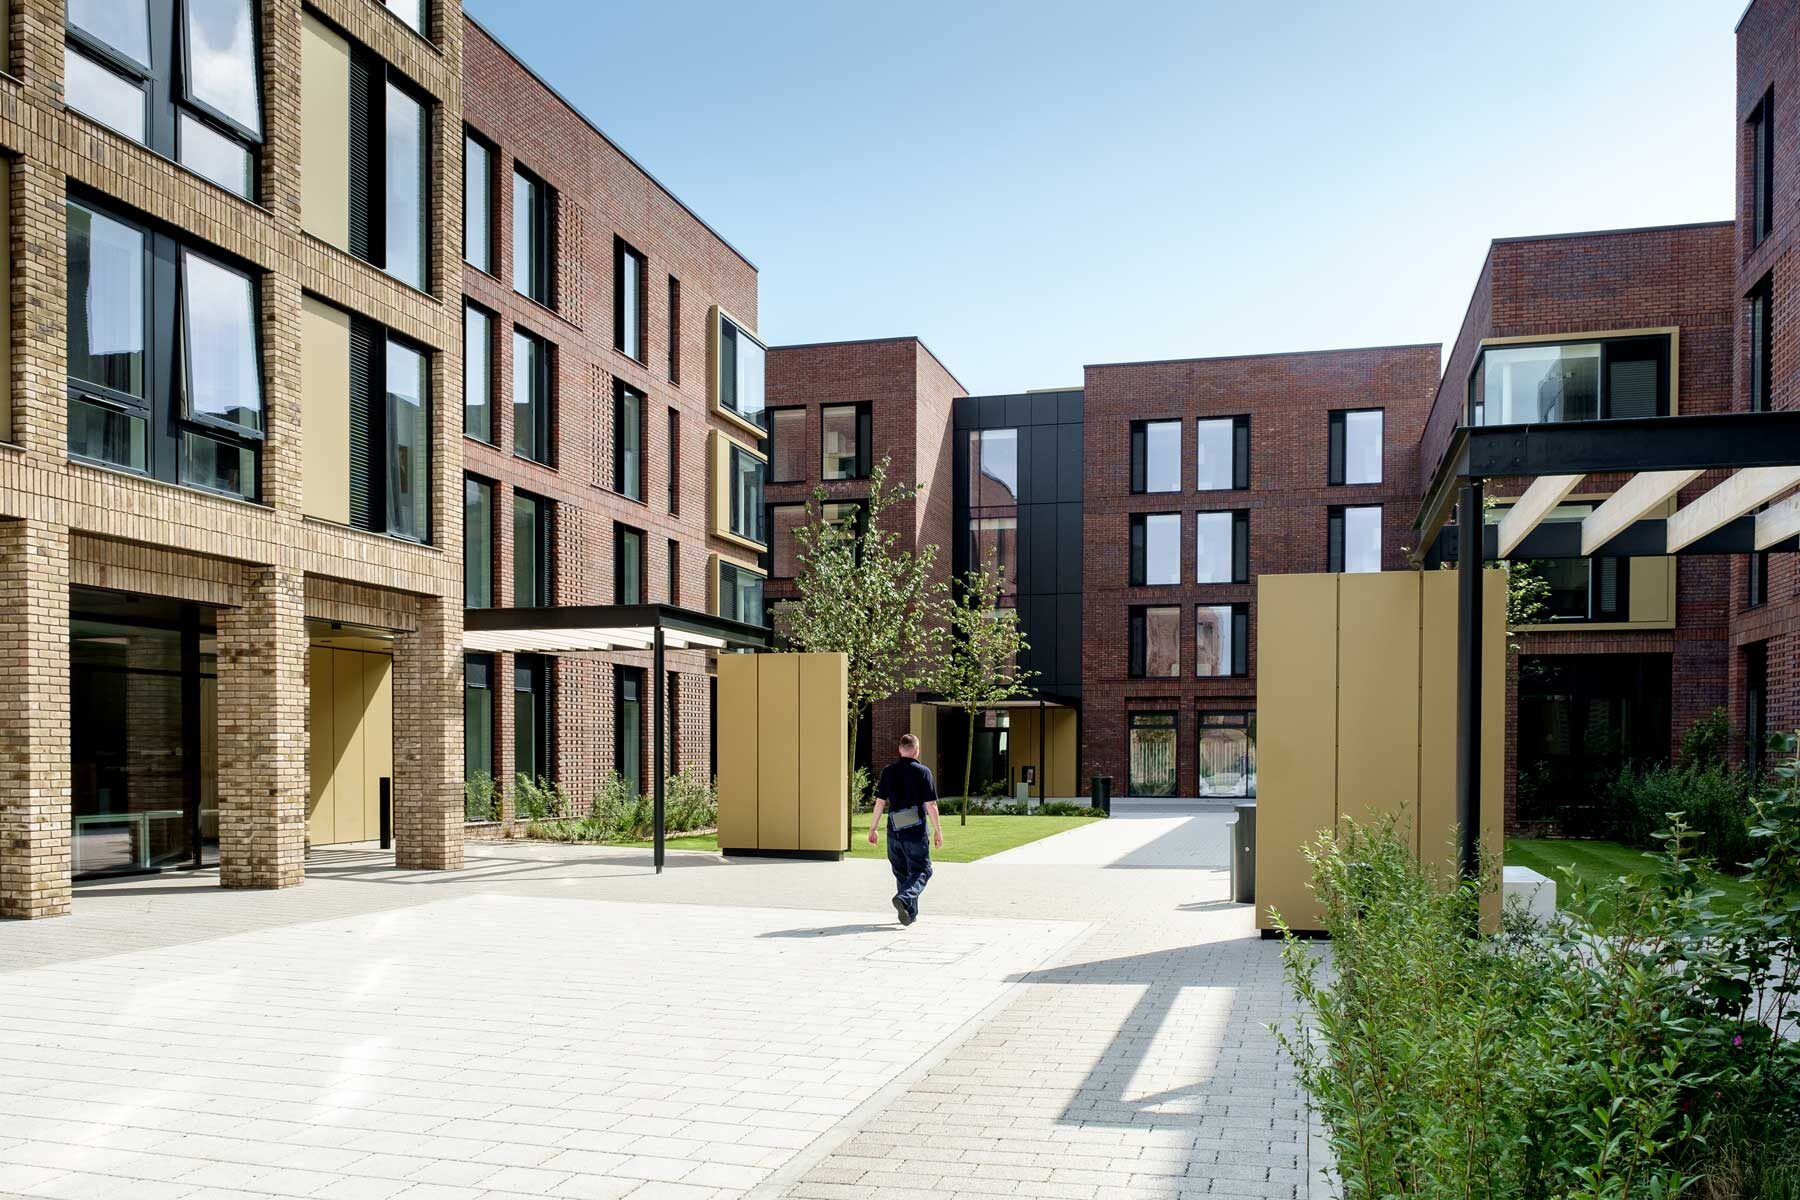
1031, 186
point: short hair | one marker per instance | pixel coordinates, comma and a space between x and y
908, 742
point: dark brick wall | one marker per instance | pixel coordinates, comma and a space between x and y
1287, 397
600, 194
1768, 50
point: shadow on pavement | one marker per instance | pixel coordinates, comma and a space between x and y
831, 930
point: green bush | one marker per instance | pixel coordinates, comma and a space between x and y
1706, 741
481, 798
1713, 798
539, 799
1645, 1048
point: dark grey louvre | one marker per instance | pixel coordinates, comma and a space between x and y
364, 167
1632, 384
365, 345
1335, 468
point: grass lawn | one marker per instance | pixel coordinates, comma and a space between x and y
1596, 861
982, 836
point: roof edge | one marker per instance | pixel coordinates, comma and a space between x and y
1631, 229
1158, 362
877, 341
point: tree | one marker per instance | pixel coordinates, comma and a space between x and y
980, 668
863, 596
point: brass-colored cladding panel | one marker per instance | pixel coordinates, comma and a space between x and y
320, 762
1437, 716
1378, 693
324, 132
351, 716
324, 411
738, 738
348, 742
922, 721
719, 486
1652, 594
778, 752
6, 430
1492, 805
378, 738
824, 751
1296, 704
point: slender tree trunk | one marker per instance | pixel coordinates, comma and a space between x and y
850, 785
968, 765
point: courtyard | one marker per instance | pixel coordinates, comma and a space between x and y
1084, 1016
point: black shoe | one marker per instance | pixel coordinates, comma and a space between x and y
902, 911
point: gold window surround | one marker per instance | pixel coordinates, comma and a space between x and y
720, 484
1652, 587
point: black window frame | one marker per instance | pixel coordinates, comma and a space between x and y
1140, 456
543, 375
545, 582
1761, 125
1761, 322
1334, 536
674, 568
673, 460
735, 508
1661, 345
1148, 718
1757, 579
370, 76
774, 441
673, 320
626, 482
628, 257
865, 435
492, 541
1240, 546
164, 405
1137, 652
1338, 446
478, 675
540, 232
539, 669
1240, 452
736, 614
628, 688
472, 136
493, 357
623, 536
371, 441
1240, 640
1137, 567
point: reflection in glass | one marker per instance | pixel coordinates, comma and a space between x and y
1162, 548
408, 442
530, 416
1362, 538
1227, 759
478, 544
106, 301
740, 372
478, 715
106, 436
1152, 755
221, 466
630, 266
1212, 547
211, 155
787, 445
994, 544
629, 719
478, 215
993, 467
122, 24
628, 587
842, 449
628, 439
1541, 383
531, 725
1162, 456
478, 378
784, 549
1214, 454
1362, 446
1212, 639
1162, 642
746, 490
219, 321
221, 59
529, 575
740, 594
405, 197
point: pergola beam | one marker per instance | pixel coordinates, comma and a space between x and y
1778, 523
1638, 497
1731, 499
1538, 502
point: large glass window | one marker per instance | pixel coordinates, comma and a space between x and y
408, 443
740, 594
1581, 717
994, 546
1155, 549
1760, 319
993, 468
410, 11
478, 373
531, 396
787, 445
628, 565
531, 551
120, 25
1579, 589
1571, 381
1221, 547
628, 301
478, 543
1156, 456
784, 549
741, 369
1354, 538
103, 94
1762, 168
628, 727
1227, 754
1222, 454
108, 284
478, 203
1154, 642
531, 716
1221, 639
1356, 446
404, 184
628, 442
846, 432
1150, 770
744, 477
224, 381
478, 715
531, 236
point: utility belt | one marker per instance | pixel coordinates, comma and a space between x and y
902, 819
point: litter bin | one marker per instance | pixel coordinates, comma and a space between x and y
1100, 787
1243, 854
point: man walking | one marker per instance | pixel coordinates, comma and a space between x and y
909, 795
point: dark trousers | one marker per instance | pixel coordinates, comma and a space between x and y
909, 853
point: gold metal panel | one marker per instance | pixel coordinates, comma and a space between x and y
738, 738
1493, 729
324, 410
922, 719
1296, 638
378, 735
821, 741
1437, 716
778, 752
1059, 763
349, 738
320, 760
1378, 696
324, 132
1652, 593
6, 433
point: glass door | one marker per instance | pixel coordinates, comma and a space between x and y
1151, 770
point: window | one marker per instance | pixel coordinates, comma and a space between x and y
785, 520
531, 551
1762, 169
1221, 639
478, 373
628, 441
1155, 642
994, 545
1156, 456
741, 358
628, 565
674, 330
1151, 757
674, 460
1222, 453
1762, 345
744, 476
478, 543
193, 94
1759, 579
674, 571
403, 185
1354, 539
1227, 757
410, 11
478, 715
1756, 705
628, 301
993, 468
388, 450
531, 237
740, 594
1571, 381
1222, 547
1580, 589
478, 203
165, 370
845, 433
787, 445
408, 472
1355, 446
531, 716
1155, 548
531, 397
628, 727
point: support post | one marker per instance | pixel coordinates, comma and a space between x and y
1043, 737
1468, 677
657, 762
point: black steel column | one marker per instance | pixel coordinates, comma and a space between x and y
1469, 539
1043, 736
656, 737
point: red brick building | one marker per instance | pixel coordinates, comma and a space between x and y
613, 378
1765, 295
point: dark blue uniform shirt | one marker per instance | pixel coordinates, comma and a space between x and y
906, 783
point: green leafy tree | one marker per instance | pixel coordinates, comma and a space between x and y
864, 596
981, 665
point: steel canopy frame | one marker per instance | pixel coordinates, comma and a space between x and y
596, 628
1733, 441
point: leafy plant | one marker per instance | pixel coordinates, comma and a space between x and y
539, 799
481, 798
1705, 742
981, 668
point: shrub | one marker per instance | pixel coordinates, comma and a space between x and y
862, 790
539, 800
690, 803
481, 798
1713, 798
1707, 740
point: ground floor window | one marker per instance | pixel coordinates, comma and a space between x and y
143, 734
628, 727
531, 716
478, 715
1150, 770
1227, 754
1756, 704
1582, 717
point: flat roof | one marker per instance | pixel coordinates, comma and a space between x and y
876, 341
1630, 229
1157, 362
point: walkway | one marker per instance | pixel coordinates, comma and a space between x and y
556, 1021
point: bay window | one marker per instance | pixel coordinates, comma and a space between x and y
744, 474
739, 357
1571, 381
740, 592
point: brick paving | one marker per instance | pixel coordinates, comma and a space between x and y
555, 1021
